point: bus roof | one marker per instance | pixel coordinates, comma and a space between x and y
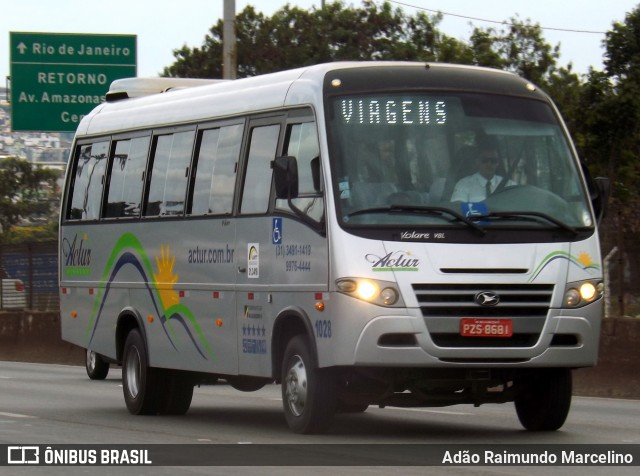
215, 99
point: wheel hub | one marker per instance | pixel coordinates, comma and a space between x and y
91, 360
133, 372
296, 386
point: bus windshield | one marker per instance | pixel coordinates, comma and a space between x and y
429, 159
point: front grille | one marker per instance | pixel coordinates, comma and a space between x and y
443, 305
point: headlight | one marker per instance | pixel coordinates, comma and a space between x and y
389, 296
588, 291
581, 293
382, 293
366, 290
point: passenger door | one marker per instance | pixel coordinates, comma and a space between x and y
254, 235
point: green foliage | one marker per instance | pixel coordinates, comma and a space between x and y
622, 57
293, 37
25, 191
32, 234
610, 119
520, 48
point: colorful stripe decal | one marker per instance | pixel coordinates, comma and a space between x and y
129, 251
583, 261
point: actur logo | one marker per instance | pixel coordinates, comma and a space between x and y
394, 261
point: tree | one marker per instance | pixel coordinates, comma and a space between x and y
520, 48
608, 132
293, 37
611, 106
25, 191
622, 44
565, 87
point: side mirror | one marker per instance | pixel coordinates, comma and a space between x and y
601, 199
285, 172
599, 191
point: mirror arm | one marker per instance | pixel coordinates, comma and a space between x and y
318, 226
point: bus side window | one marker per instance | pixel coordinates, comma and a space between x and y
90, 163
257, 180
169, 175
216, 170
301, 142
125, 185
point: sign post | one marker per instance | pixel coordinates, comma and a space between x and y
57, 78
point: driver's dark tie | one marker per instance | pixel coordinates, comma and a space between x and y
488, 188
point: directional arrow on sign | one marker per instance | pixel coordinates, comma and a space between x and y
22, 47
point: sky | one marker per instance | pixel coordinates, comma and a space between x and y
162, 26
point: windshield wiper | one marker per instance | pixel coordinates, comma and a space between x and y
418, 209
527, 215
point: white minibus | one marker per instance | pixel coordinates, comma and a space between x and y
379, 233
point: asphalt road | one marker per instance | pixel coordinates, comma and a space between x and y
55, 404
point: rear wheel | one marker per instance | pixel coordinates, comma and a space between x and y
97, 367
176, 397
544, 403
308, 392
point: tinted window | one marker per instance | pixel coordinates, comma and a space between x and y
257, 183
216, 170
472, 153
127, 169
88, 181
301, 142
169, 174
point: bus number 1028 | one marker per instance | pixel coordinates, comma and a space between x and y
323, 329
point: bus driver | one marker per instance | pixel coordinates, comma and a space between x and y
477, 187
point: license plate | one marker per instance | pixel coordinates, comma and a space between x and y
486, 327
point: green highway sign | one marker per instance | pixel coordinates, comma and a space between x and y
57, 78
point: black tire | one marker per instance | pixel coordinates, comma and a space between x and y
96, 365
308, 393
141, 384
544, 403
176, 397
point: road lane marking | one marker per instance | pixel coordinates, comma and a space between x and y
15, 415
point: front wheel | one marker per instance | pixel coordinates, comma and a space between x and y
97, 367
545, 400
308, 392
141, 384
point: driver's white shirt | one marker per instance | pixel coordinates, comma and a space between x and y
473, 188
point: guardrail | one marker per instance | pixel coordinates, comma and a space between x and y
35, 265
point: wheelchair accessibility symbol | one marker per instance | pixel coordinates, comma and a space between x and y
276, 234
